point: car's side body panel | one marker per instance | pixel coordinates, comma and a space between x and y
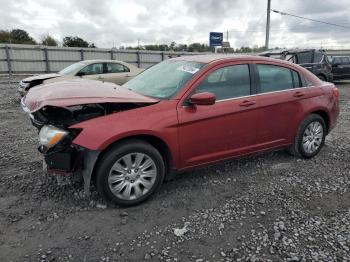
158, 120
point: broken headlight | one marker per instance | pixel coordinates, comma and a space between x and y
50, 136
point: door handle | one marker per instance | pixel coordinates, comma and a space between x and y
298, 94
247, 103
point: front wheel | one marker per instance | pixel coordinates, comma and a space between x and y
130, 172
310, 137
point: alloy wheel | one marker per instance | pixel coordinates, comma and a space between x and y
132, 176
312, 137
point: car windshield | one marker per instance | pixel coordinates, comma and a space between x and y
72, 68
165, 79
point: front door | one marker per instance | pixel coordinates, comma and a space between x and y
93, 72
222, 130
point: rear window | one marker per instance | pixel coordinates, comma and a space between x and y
116, 68
318, 57
304, 58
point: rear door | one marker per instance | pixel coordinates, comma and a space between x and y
225, 129
116, 73
280, 92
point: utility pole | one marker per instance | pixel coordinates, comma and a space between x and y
138, 43
268, 24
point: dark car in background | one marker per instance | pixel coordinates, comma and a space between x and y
341, 67
314, 60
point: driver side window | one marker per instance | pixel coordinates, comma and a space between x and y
93, 69
227, 82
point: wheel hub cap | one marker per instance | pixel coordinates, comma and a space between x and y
132, 176
312, 137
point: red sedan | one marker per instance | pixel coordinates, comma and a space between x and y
177, 115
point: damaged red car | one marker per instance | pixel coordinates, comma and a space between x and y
180, 114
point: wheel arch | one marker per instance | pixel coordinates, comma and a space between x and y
153, 140
323, 113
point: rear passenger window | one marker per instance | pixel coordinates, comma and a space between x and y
116, 68
274, 78
227, 82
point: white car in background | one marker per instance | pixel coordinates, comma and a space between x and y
114, 71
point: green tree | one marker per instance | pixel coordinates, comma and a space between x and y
49, 41
5, 36
173, 46
75, 41
181, 47
19, 36
198, 47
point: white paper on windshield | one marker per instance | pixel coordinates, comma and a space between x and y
189, 69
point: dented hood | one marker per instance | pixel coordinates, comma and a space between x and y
41, 77
79, 92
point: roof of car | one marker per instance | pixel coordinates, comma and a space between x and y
292, 51
106, 61
209, 58
102, 61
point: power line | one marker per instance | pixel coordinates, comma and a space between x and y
305, 18
278, 29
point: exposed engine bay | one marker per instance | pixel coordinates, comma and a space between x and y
66, 116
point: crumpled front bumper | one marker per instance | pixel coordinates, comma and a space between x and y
23, 88
71, 160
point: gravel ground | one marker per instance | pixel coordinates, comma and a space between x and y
271, 207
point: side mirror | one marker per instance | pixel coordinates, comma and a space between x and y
203, 99
80, 74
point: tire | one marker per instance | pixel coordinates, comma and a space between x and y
130, 172
304, 139
322, 77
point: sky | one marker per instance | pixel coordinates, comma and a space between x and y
116, 23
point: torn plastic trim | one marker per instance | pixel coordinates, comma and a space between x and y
83, 159
89, 160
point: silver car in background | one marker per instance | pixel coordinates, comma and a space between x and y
114, 71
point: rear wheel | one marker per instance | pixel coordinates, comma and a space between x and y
310, 137
130, 172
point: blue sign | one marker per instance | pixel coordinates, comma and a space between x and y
215, 38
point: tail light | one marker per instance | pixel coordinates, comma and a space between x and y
335, 92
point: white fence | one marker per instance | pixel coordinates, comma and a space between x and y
33, 59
